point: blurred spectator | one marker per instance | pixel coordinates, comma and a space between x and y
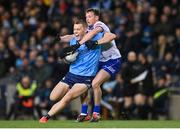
25, 69
149, 31
3, 58
24, 98
19, 61
3, 101
143, 98
32, 57
177, 40
165, 26
168, 63
114, 95
130, 71
114, 89
41, 71
162, 47
160, 105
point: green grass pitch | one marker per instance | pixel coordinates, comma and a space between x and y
101, 124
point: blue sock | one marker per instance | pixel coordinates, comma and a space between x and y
84, 108
96, 109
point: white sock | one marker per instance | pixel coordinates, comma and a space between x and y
83, 114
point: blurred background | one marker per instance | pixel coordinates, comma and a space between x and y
148, 37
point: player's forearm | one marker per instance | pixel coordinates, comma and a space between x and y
87, 37
107, 38
90, 35
66, 38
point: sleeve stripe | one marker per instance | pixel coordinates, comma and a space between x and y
100, 26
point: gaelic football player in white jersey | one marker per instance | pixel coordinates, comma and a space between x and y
110, 61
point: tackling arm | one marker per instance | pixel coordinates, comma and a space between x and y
108, 37
90, 34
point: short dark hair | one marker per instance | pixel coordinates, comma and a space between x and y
80, 21
95, 11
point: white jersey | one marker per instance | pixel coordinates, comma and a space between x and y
109, 50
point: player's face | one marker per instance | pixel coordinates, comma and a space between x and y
79, 31
91, 19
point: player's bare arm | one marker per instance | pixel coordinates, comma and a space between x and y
107, 38
66, 38
91, 34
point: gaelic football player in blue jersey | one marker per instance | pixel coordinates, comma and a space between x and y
79, 78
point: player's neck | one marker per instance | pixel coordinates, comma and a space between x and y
81, 37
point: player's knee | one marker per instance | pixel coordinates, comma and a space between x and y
52, 97
95, 85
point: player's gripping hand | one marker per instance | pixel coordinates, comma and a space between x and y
68, 50
91, 44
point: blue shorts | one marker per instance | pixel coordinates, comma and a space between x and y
72, 79
111, 66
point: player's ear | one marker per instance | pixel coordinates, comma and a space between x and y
97, 18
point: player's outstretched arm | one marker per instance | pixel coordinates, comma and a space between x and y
90, 34
107, 38
66, 38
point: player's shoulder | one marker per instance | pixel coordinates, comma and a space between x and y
102, 25
73, 41
99, 23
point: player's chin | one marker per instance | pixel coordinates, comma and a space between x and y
89, 24
78, 38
